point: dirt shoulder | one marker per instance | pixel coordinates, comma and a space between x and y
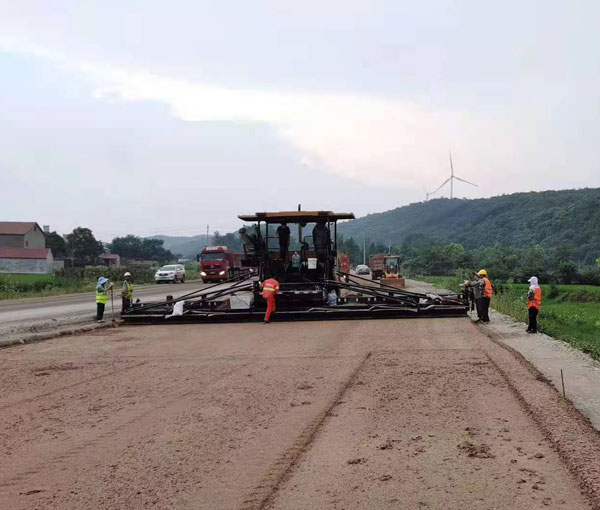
418, 413
580, 373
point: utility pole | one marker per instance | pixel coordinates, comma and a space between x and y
207, 235
364, 251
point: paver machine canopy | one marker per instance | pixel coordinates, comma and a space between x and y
303, 261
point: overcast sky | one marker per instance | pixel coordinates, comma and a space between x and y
150, 117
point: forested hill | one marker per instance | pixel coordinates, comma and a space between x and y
568, 219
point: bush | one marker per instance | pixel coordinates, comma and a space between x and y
590, 277
553, 293
140, 274
583, 296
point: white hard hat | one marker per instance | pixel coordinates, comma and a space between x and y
127, 274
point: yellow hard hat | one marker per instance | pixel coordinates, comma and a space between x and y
482, 272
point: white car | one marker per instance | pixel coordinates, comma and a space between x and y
171, 273
362, 269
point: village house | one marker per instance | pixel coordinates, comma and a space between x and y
23, 249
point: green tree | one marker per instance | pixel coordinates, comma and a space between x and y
82, 245
233, 241
57, 244
568, 273
134, 247
128, 247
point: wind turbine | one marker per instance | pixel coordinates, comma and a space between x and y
451, 180
428, 194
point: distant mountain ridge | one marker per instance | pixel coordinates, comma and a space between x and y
188, 247
569, 218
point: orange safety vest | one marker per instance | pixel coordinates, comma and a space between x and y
536, 302
270, 285
488, 290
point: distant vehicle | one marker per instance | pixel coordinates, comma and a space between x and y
218, 263
362, 269
170, 273
376, 265
391, 272
343, 264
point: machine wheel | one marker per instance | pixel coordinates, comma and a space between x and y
183, 280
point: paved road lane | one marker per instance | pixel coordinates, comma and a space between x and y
53, 307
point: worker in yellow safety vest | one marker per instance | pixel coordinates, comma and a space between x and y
103, 287
534, 303
126, 292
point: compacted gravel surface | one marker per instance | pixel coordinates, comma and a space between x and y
404, 414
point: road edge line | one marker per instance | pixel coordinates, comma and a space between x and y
574, 456
40, 337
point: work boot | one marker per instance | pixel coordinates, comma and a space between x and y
100, 321
265, 322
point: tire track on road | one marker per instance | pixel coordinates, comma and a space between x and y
263, 494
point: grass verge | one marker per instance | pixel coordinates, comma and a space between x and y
569, 312
30, 285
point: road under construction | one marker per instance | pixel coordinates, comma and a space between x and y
304, 287
207, 409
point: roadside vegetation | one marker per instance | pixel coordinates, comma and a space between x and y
569, 312
13, 286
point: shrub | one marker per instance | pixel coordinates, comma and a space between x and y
553, 293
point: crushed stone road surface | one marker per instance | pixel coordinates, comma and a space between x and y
411, 414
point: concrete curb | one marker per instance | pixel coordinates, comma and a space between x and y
38, 337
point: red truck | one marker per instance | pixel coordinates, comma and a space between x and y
218, 263
376, 265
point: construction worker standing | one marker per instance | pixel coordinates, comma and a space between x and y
103, 287
321, 239
283, 235
126, 292
534, 303
270, 287
488, 292
482, 294
477, 285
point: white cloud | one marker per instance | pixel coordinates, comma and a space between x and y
367, 138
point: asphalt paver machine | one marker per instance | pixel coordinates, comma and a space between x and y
312, 285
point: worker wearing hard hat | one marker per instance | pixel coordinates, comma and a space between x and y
482, 292
534, 303
269, 287
126, 292
488, 292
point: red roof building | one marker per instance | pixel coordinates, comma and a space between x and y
26, 260
24, 253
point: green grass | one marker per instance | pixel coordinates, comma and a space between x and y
569, 312
192, 271
30, 285
30, 278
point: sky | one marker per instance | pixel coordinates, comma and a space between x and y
147, 117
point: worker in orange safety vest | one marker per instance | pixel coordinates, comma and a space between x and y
534, 303
482, 294
269, 287
488, 292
